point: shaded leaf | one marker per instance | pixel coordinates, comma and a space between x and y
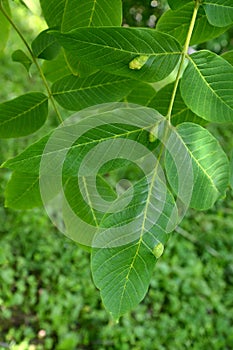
180, 112
77, 67
142, 94
219, 12
77, 93
209, 162
23, 115
20, 57
176, 23
176, 4
207, 86
228, 56
45, 46
112, 50
56, 69
22, 191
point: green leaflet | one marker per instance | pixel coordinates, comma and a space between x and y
219, 12
23, 115
45, 46
20, 57
176, 23
71, 14
22, 191
112, 49
209, 162
76, 93
207, 87
177, 4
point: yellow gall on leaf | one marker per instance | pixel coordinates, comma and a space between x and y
138, 62
158, 250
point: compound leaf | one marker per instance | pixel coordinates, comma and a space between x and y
112, 50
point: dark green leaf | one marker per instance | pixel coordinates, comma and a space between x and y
113, 49
23, 115
45, 46
180, 112
176, 4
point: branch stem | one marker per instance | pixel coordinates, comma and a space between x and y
182, 60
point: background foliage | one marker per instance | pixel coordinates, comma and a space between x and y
47, 300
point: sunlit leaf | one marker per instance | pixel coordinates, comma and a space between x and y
209, 162
207, 86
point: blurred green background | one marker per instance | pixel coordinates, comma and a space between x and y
47, 298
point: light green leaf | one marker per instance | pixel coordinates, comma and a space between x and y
22, 191
23, 115
77, 93
207, 87
176, 4
209, 162
219, 12
5, 25
176, 23
180, 112
72, 14
56, 69
45, 46
20, 57
112, 50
